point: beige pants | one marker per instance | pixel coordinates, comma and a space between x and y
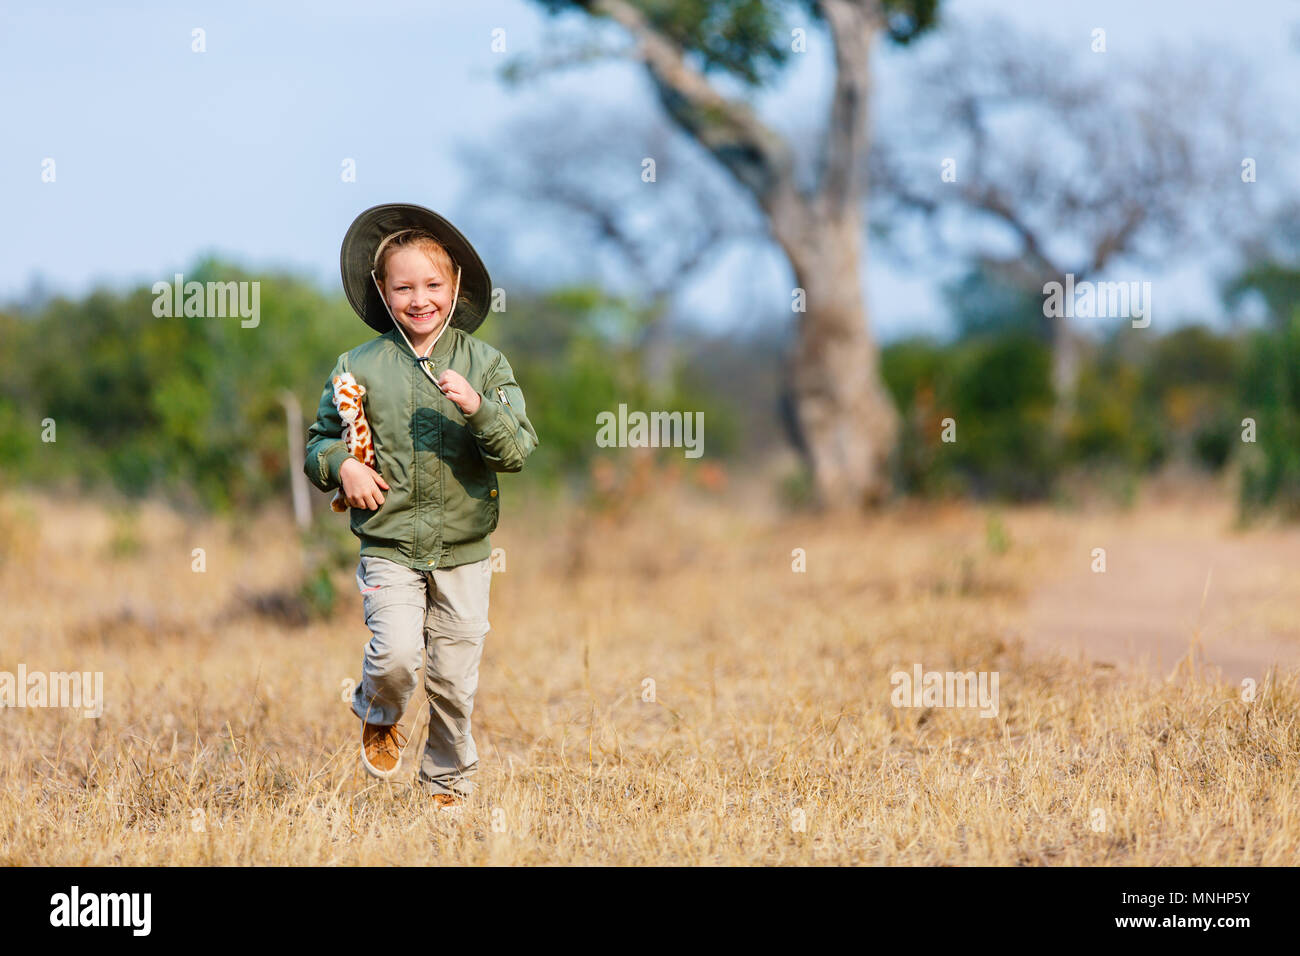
433, 622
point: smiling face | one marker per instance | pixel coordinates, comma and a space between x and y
418, 293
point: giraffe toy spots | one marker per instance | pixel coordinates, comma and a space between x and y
348, 393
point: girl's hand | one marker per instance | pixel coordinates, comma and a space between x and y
455, 387
361, 485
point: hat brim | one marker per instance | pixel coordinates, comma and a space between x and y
356, 259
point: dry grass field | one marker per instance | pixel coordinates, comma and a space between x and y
771, 739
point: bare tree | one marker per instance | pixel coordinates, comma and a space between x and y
1063, 161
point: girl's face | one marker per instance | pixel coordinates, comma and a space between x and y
418, 294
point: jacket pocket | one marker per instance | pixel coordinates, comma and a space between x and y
389, 524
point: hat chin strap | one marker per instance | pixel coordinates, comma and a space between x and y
421, 360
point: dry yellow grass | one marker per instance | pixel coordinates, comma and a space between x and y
226, 740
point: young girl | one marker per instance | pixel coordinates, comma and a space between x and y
445, 415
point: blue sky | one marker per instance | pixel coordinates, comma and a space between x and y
163, 154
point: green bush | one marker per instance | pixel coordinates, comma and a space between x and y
997, 390
1270, 394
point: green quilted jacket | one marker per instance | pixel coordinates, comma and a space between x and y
441, 466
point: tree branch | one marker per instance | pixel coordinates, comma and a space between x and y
853, 27
990, 200
756, 155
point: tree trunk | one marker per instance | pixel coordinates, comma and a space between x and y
657, 351
1065, 372
845, 414
299, 490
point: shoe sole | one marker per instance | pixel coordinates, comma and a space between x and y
375, 771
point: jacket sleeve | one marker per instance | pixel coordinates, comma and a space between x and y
504, 434
326, 450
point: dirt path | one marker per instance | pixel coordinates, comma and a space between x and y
1174, 572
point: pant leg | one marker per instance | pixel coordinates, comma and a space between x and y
395, 607
455, 632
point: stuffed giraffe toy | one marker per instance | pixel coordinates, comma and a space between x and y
356, 430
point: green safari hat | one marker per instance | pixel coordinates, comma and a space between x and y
372, 227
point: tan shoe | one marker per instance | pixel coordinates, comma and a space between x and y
381, 749
446, 801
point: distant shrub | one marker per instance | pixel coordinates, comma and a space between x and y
1270, 394
997, 392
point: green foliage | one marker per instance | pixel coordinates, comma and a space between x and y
191, 407
997, 392
1112, 425
575, 355
750, 39
187, 405
1002, 398
1271, 396
1269, 390
914, 371
1141, 401
1277, 284
1198, 373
